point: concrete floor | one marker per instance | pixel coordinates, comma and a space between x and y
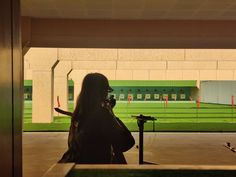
42, 150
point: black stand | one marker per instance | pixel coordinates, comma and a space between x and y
141, 119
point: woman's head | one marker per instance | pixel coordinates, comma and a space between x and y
95, 88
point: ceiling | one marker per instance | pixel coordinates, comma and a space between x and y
131, 9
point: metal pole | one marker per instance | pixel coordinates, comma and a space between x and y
141, 125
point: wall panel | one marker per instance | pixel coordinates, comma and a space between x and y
217, 91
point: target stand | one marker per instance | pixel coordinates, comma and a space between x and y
141, 119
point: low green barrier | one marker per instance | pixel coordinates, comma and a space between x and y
173, 117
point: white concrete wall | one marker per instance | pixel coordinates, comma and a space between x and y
156, 64
42, 97
40, 63
219, 92
151, 64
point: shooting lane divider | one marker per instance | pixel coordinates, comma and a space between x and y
198, 102
166, 100
232, 100
58, 102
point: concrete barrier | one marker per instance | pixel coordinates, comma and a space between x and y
152, 171
59, 170
72, 170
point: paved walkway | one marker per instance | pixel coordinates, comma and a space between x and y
42, 150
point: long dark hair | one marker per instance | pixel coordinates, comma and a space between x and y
93, 92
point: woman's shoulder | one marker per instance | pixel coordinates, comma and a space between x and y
101, 113
100, 116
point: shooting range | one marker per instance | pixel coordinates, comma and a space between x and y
171, 64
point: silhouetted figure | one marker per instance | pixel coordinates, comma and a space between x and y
96, 135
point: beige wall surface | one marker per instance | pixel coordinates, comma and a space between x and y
121, 64
40, 67
42, 97
148, 64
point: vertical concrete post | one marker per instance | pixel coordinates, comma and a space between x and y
61, 73
42, 96
42, 62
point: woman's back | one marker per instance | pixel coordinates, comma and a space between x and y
94, 138
99, 136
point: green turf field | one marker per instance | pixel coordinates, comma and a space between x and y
177, 116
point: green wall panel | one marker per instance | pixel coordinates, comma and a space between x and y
139, 89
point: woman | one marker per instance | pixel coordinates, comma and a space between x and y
96, 135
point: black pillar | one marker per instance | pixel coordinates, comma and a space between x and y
11, 89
